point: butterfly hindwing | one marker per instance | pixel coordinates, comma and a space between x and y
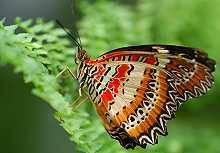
137, 89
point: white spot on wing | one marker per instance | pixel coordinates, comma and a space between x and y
160, 50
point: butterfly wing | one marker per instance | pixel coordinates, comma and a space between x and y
137, 89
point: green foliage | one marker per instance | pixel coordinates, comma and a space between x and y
39, 51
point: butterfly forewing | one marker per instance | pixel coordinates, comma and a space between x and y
137, 89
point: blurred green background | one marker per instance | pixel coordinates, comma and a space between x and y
27, 124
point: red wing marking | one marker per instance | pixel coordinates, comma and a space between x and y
114, 84
135, 58
106, 97
118, 56
151, 60
122, 71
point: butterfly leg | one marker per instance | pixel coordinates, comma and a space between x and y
69, 70
78, 102
83, 93
80, 90
60, 73
64, 70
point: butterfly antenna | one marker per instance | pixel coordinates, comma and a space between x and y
80, 42
76, 16
70, 34
78, 38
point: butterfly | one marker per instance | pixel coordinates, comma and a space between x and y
137, 89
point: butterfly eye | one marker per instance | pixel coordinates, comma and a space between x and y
81, 55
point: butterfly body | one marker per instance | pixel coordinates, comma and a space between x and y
137, 89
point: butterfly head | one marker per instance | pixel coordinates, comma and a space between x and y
80, 55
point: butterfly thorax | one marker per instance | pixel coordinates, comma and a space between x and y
82, 69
